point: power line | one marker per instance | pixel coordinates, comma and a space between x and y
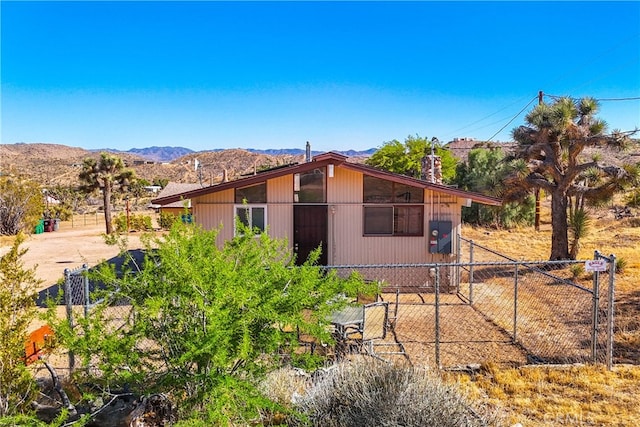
485, 118
513, 118
633, 98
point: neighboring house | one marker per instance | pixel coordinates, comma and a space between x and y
176, 207
356, 213
460, 147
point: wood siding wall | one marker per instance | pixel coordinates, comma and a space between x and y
346, 245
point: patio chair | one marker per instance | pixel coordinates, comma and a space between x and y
373, 327
370, 338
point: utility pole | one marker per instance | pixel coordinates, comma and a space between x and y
537, 192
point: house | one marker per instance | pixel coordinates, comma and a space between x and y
460, 147
175, 207
356, 213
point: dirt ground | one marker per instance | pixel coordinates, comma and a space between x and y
74, 244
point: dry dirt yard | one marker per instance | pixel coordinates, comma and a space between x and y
69, 247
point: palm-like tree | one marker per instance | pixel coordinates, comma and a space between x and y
552, 143
107, 173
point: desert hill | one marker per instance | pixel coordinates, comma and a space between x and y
55, 164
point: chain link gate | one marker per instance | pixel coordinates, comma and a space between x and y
503, 311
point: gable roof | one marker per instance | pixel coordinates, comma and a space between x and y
173, 189
324, 160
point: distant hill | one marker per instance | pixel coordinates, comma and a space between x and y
301, 152
56, 164
161, 154
168, 154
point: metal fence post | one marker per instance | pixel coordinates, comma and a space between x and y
471, 272
437, 310
612, 274
458, 260
596, 304
85, 281
69, 304
515, 305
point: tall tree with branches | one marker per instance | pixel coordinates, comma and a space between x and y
107, 173
551, 147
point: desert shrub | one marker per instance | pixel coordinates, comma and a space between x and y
380, 394
633, 198
61, 211
576, 270
21, 204
621, 265
205, 323
166, 220
17, 310
137, 222
633, 222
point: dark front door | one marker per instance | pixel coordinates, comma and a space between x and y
309, 231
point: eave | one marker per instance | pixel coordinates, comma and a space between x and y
324, 160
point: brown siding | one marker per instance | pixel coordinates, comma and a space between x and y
346, 243
214, 210
349, 246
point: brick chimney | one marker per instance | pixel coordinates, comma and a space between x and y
432, 169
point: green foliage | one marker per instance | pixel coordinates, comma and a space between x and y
166, 220
162, 182
205, 323
137, 222
107, 173
22, 420
61, 211
17, 311
21, 205
577, 270
484, 173
373, 393
552, 144
579, 227
633, 198
621, 265
406, 158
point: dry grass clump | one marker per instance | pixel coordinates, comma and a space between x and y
373, 393
558, 395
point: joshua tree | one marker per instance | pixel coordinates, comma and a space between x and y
551, 148
106, 173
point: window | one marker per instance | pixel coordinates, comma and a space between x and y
376, 190
254, 216
252, 194
310, 187
396, 220
395, 211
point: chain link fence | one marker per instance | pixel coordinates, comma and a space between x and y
483, 308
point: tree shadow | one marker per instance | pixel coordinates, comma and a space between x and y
120, 263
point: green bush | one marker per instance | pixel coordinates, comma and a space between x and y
17, 311
205, 323
374, 393
62, 211
166, 220
137, 222
633, 198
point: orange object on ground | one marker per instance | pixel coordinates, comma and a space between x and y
38, 340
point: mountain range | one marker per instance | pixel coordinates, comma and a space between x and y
167, 154
56, 164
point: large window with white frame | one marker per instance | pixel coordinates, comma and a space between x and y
252, 216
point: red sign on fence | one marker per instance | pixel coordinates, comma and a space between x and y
595, 265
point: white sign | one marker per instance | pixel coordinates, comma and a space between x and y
595, 265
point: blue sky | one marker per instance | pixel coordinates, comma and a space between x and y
342, 75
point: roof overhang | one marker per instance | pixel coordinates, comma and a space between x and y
324, 160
